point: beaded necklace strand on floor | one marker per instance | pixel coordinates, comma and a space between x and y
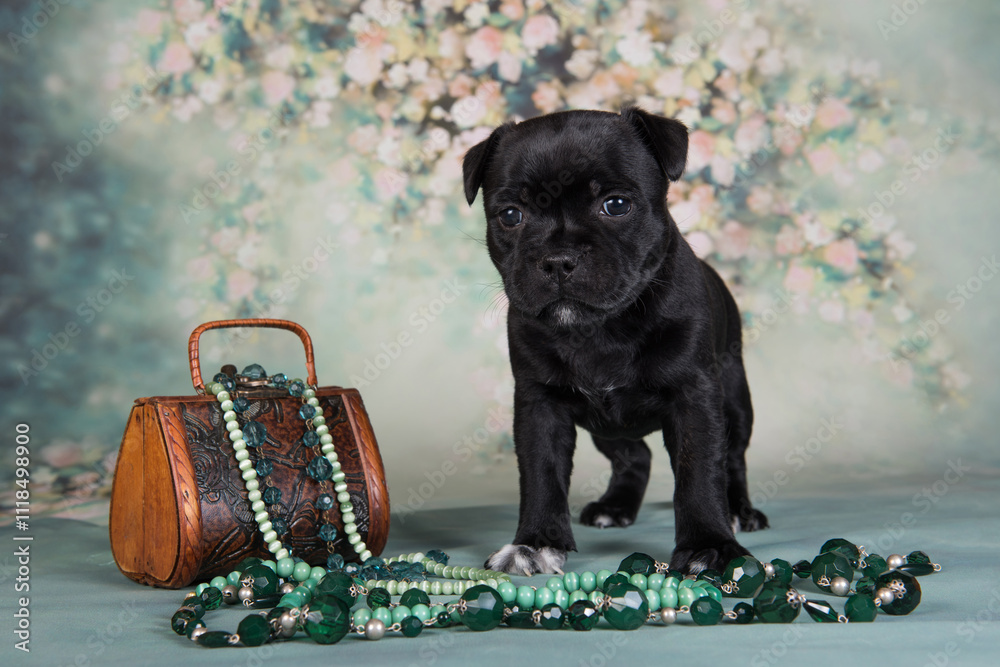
319, 600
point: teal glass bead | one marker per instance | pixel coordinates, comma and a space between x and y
669, 598
240, 404
279, 380
508, 591
334, 563
179, 621
411, 626
296, 387
437, 556
552, 617
638, 580
227, 382
279, 526
421, 611
571, 582
525, 597
483, 608
555, 584
271, 495
214, 639
744, 613
211, 598
582, 615
588, 582
307, 412
264, 467
218, 582
802, 569
655, 581
771, 605
378, 597
319, 469
906, 588
338, 584
873, 565
706, 611
324, 502
628, 608
310, 439
254, 372
560, 598
327, 532
254, 434
523, 620
301, 570
830, 564
399, 612
653, 598
820, 611
328, 620
782, 570
544, 596
638, 563
839, 545
383, 614
254, 630
602, 576
745, 575
860, 609
616, 579
263, 580
414, 596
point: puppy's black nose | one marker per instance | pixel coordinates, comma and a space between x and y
559, 265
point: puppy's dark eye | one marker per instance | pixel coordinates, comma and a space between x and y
510, 217
617, 206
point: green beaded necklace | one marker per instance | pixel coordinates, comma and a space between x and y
320, 601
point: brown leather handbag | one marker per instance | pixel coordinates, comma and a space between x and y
179, 508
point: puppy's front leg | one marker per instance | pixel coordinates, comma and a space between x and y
695, 437
544, 440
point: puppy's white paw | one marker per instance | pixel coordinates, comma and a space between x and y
524, 560
603, 521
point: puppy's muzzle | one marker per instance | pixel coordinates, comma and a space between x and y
559, 266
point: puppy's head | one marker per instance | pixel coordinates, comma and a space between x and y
576, 208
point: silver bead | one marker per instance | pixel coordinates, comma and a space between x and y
668, 615
286, 588
886, 595
198, 632
374, 629
840, 586
287, 624
245, 593
894, 561
230, 594
768, 571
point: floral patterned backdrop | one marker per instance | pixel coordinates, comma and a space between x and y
175, 162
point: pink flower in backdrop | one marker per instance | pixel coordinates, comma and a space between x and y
200, 269
870, 160
823, 160
833, 112
188, 11
363, 65
278, 87
789, 241
176, 59
701, 146
484, 47
62, 454
760, 200
390, 183
733, 241
512, 9
546, 97
149, 22
539, 31
240, 284
799, 278
701, 243
842, 254
751, 134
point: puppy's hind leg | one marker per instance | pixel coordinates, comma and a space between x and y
619, 505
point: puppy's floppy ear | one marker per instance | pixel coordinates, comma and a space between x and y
666, 138
477, 159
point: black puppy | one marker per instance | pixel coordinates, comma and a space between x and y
616, 326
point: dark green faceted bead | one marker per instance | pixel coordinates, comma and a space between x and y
638, 563
860, 609
319, 469
917, 569
248, 562
706, 611
214, 639
411, 626
583, 615
211, 598
414, 596
907, 592
771, 604
328, 620
553, 617
254, 630
873, 565
831, 564
483, 608
866, 586
264, 580
181, 618
841, 546
339, 585
520, 619
802, 569
744, 612
443, 620
378, 597
628, 608
438, 556
614, 580
820, 611
918, 557
713, 577
746, 574
782, 570
192, 626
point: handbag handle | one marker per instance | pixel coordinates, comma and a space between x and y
255, 322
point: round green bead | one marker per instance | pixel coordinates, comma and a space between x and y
583, 615
301, 571
378, 597
525, 597
361, 616
553, 616
653, 597
544, 596
200, 588
671, 582
602, 576
317, 573
483, 608
233, 578
655, 581
907, 600
688, 583
575, 596
571, 582
285, 567
744, 613
218, 582
669, 598
844, 547
411, 626
771, 603
713, 592
560, 598
830, 565
628, 608
588, 582
706, 611
508, 591
211, 598
329, 619
782, 570
414, 596
686, 596
383, 614
746, 574
616, 579
400, 612
421, 611
638, 580
860, 609
555, 584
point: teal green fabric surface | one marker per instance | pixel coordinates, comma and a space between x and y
84, 612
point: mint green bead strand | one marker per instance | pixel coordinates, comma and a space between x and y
400, 612
544, 596
525, 597
301, 571
588, 582
561, 598
362, 616
668, 597
555, 584
285, 567
421, 611
507, 590
602, 576
576, 596
383, 614
654, 582
571, 582
653, 598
